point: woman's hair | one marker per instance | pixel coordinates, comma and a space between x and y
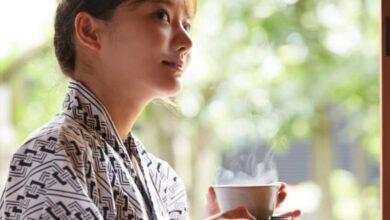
66, 13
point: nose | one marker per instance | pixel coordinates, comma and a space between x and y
182, 41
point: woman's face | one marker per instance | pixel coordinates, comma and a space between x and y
146, 47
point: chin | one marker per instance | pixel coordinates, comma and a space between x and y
171, 89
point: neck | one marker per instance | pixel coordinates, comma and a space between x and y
124, 108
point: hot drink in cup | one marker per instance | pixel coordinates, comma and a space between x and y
260, 200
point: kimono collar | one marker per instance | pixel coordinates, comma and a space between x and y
86, 109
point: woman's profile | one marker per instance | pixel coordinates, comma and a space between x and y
86, 163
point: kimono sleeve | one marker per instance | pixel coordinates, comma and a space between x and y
42, 185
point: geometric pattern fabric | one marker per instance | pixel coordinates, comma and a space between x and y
77, 167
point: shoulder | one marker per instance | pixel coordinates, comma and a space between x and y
43, 143
61, 147
52, 139
53, 149
43, 151
40, 173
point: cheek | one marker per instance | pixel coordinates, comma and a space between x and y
153, 35
137, 52
142, 43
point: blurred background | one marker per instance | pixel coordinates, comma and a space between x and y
298, 76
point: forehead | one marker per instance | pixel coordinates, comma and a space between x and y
189, 5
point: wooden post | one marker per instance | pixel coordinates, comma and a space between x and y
385, 113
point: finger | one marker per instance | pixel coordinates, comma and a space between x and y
212, 203
281, 197
293, 214
211, 193
240, 212
282, 186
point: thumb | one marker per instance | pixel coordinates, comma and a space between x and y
212, 202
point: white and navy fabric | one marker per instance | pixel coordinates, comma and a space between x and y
77, 167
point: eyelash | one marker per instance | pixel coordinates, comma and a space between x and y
162, 12
187, 26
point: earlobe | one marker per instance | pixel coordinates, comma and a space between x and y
86, 31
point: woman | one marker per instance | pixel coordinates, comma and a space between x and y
85, 163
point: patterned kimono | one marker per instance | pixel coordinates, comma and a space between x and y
77, 167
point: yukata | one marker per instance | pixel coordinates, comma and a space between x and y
77, 167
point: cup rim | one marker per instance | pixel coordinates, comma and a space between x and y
246, 186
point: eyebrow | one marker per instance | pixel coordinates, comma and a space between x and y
166, 2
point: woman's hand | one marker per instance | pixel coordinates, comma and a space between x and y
282, 194
238, 213
213, 209
214, 212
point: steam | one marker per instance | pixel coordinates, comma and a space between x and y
248, 169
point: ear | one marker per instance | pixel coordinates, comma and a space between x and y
87, 31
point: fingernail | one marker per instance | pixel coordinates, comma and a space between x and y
297, 212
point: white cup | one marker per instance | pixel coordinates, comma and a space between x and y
260, 200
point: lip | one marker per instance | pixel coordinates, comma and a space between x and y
178, 65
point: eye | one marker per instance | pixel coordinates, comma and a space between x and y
187, 26
162, 15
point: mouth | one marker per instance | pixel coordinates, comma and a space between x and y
179, 65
